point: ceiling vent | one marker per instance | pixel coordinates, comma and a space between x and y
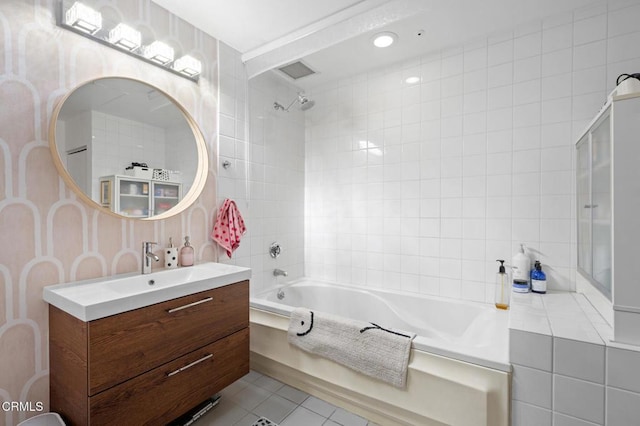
297, 70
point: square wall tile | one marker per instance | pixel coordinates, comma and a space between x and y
590, 30
531, 386
578, 359
500, 53
590, 55
623, 408
529, 415
623, 21
530, 349
559, 37
578, 398
528, 45
623, 369
564, 420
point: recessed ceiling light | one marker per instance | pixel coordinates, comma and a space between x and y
412, 80
384, 39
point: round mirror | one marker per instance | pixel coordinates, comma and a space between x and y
128, 148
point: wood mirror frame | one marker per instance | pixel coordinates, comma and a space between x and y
200, 163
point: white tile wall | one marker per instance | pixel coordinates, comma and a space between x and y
594, 380
266, 177
134, 142
491, 164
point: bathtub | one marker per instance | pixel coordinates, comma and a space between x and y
459, 372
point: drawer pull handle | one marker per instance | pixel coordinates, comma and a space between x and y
179, 308
198, 361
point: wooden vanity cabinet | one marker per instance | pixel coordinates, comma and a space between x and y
148, 365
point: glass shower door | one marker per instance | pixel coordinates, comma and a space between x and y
583, 180
594, 208
601, 202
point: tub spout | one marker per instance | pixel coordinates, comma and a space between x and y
279, 272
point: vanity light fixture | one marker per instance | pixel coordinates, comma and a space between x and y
125, 37
384, 39
83, 18
158, 52
87, 22
412, 80
188, 65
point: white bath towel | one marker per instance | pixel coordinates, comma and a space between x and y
368, 348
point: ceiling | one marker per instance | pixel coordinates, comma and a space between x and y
333, 37
125, 98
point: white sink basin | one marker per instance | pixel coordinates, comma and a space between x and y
98, 298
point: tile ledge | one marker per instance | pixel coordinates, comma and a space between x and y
568, 315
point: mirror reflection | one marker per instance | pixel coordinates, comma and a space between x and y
127, 146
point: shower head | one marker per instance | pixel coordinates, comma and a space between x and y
305, 103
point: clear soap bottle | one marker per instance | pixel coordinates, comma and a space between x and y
186, 253
503, 287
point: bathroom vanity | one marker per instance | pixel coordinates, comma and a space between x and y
151, 364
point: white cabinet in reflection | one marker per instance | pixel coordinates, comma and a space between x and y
136, 197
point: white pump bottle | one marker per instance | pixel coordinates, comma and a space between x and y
520, 266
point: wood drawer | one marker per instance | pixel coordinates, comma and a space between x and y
131, 343
158, 396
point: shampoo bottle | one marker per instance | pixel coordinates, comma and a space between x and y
521, 265
503, 287
186, 253
538, 279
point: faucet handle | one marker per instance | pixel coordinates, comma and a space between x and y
147, 244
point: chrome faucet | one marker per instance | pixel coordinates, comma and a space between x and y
279, 272
147, 255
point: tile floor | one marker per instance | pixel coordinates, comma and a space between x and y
256, 395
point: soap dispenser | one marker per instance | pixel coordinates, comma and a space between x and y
521, 265
503, 287
171, 256
186, 253
538, 279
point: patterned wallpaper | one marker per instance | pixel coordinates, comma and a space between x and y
47, 235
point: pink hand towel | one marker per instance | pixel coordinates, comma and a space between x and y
229, 227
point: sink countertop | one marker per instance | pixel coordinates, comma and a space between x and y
93, 299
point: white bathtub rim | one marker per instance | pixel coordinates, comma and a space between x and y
303, 280
493, 356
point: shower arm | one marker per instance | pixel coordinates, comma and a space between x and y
299, 98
